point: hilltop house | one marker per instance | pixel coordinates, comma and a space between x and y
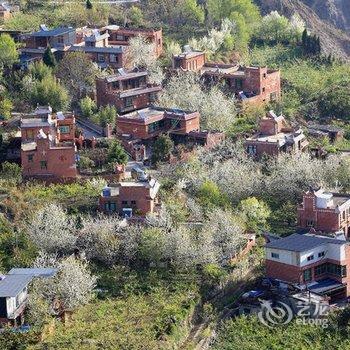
126, 90
120, 36
139, 129
325, 211
250, 85
316, 263
47, 145
274, 137
14, 292
189, 60
132, 197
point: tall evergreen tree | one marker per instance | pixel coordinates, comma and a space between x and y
88, 4
49, 58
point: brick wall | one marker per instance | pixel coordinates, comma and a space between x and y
191, 63
326, 220
60, 161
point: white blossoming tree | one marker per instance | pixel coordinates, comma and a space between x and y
52, 230
141, 54
185, 91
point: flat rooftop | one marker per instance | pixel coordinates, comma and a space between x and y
124, 75
143, 114
52, 32
301, 243
189, 54
35, 122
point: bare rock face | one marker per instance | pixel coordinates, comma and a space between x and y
329, 19
336, 12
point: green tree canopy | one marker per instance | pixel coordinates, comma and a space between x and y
162, 148
8, 51
77, 73
116, 153
49, 58
49, 92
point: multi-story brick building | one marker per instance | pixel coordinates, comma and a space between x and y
63, 40
189, 60
97, 46
325, 211
274, 137
127, 91
58, 39
133, 197
47, 146
120, 36
137, 130
149, 122
251, 85
319, 263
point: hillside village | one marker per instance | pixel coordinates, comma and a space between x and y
172, 174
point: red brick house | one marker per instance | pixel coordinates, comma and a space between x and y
325, 211
127, 91
128, 198
97, 46
149, 122
251, 85
137, 130
190, 60
119, 36
318, 263
275, 137
47, 146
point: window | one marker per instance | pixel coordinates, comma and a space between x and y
125, 202
321, 254
155, 126
133, 202
310, 257
239, 84
100, 57
310, 223
320, 269
338, 270
275, 255
30, 158
112, 207
175, 124
128, 102
109, 206
251, 149
43, 164
113, 58
60, 39
120, 37
263, 89
273, 96
307, 275
64, 129
264, 75
159, 42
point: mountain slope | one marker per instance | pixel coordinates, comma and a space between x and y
334, 40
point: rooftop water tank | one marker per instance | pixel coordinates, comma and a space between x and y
324, 200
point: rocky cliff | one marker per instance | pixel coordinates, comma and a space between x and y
329, 19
